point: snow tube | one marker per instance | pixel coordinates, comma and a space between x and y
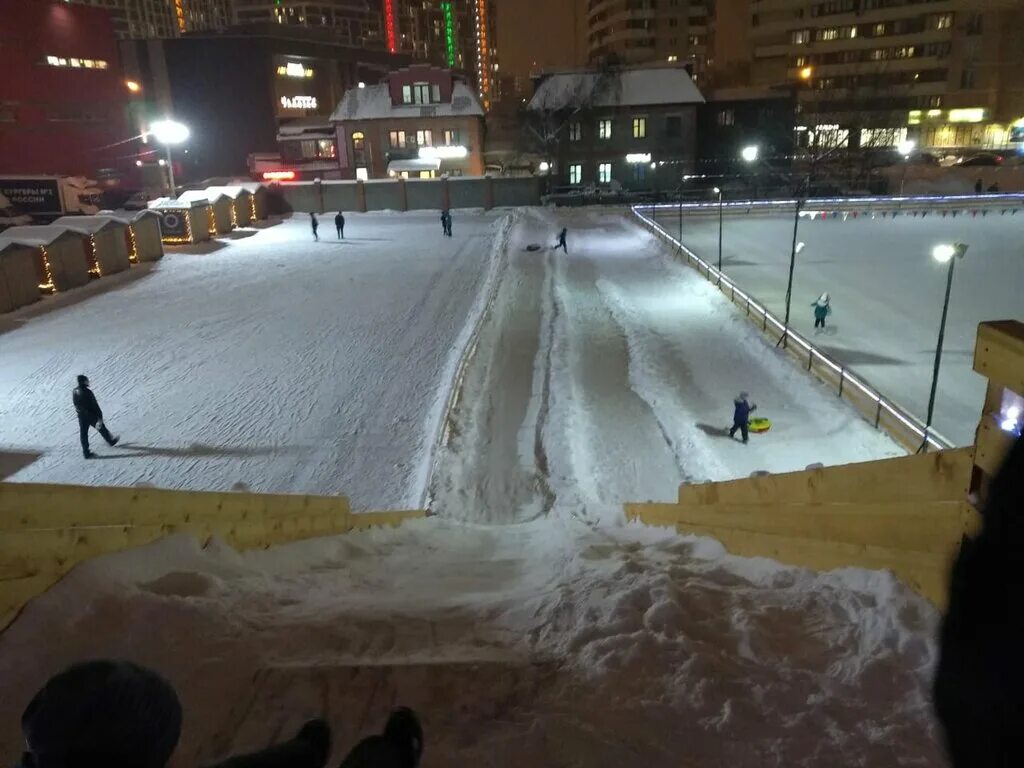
533, 247
759, 425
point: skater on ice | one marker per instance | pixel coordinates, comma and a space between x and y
339, 224
822, 309
741, 416
315, 224
561, 240
89, 415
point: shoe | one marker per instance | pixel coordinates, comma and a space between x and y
89, 455
115, 441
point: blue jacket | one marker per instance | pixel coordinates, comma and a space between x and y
743, 410
821, 311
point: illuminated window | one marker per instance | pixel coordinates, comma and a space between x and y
639, 127
424, 138
451, 138
420, 93
575, 174
327, 149
726, 117
358, 141
575, 131
879, 30
801, 36
398, 139
604, 173
943, 21
604, 129
76, 63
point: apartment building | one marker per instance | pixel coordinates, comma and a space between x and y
162, 18
872, 73
647, 31
419, 122
354, 22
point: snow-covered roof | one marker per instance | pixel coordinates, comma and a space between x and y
128, 217
87, 224
167, 204
34, 236
305, 126
414, 165
640, 87
374, 103
201, 196
234, 192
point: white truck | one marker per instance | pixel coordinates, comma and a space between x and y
48, 197
11, 216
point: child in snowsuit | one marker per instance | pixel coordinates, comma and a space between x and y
822, 309
741, 416
561, 240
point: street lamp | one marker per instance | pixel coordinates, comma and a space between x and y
944, 253
169, 133
750, 153
718, 191
794, 252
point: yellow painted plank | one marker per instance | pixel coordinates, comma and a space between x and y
992, 446
999, 353
940, 476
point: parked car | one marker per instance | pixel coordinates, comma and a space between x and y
983, 159
137, 202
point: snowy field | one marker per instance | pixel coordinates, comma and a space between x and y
266, 361
526, 622
886, 292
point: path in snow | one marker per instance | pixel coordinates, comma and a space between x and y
887, 294
608, 374
272, 362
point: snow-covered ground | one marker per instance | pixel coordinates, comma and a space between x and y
526, 622
266, 361
886, 292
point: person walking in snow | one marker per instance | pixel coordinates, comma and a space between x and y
89, 415
741, 416
822, 309
446, 223
339, 224
561, 240
315, 224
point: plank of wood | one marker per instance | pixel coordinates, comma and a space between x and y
992, 445
999, 353
940, 476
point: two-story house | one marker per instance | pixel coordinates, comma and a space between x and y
635, 126
419, 122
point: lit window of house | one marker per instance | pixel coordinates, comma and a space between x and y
604, 173
604, 129
398, 139
639, 127
575, 174
575, 131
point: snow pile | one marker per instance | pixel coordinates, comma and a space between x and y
603, 645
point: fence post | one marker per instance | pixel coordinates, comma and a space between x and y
810, 357
878, 413
764, 324
403, 195
842, 378
360, 196
446, 195
488, 192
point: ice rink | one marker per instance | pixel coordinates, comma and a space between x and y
887, 294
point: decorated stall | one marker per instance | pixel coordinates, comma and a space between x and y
19, 284
62, 260
220, 209
143, 234
183, 222
107, 247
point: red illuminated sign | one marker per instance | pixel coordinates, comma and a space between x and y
279, 175
389, 24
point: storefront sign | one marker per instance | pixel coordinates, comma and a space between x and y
299, 102
32, 195
173, 224
294, 69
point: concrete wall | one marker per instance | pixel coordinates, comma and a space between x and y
383, 196
420, 194
340, 196
424, 194
45, 530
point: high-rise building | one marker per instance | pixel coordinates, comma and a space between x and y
354, 22
647, 31
163, 18
458, 34
872, 73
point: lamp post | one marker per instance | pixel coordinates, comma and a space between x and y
905, 148
945, 253
718, 191
169, 133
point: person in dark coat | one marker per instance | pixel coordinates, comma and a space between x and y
400, 746
994, 188
102, 713
980, 675
978, 186
561, 240
339, 224
89, 415
741, 416
310, 748
315, 224
446, 223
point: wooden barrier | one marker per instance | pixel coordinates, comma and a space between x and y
45, 530
907, 515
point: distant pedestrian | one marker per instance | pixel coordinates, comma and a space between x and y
994, 188
978, 186
561, 240
89, 415
741, 416
446, 223
339, 224
822, 309
315, 224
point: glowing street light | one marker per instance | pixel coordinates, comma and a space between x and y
944, 253
750, 153
169, 133
132, 86
906, 147
544, 166
806, 72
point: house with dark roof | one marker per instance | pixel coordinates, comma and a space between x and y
419, 122
634, 127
